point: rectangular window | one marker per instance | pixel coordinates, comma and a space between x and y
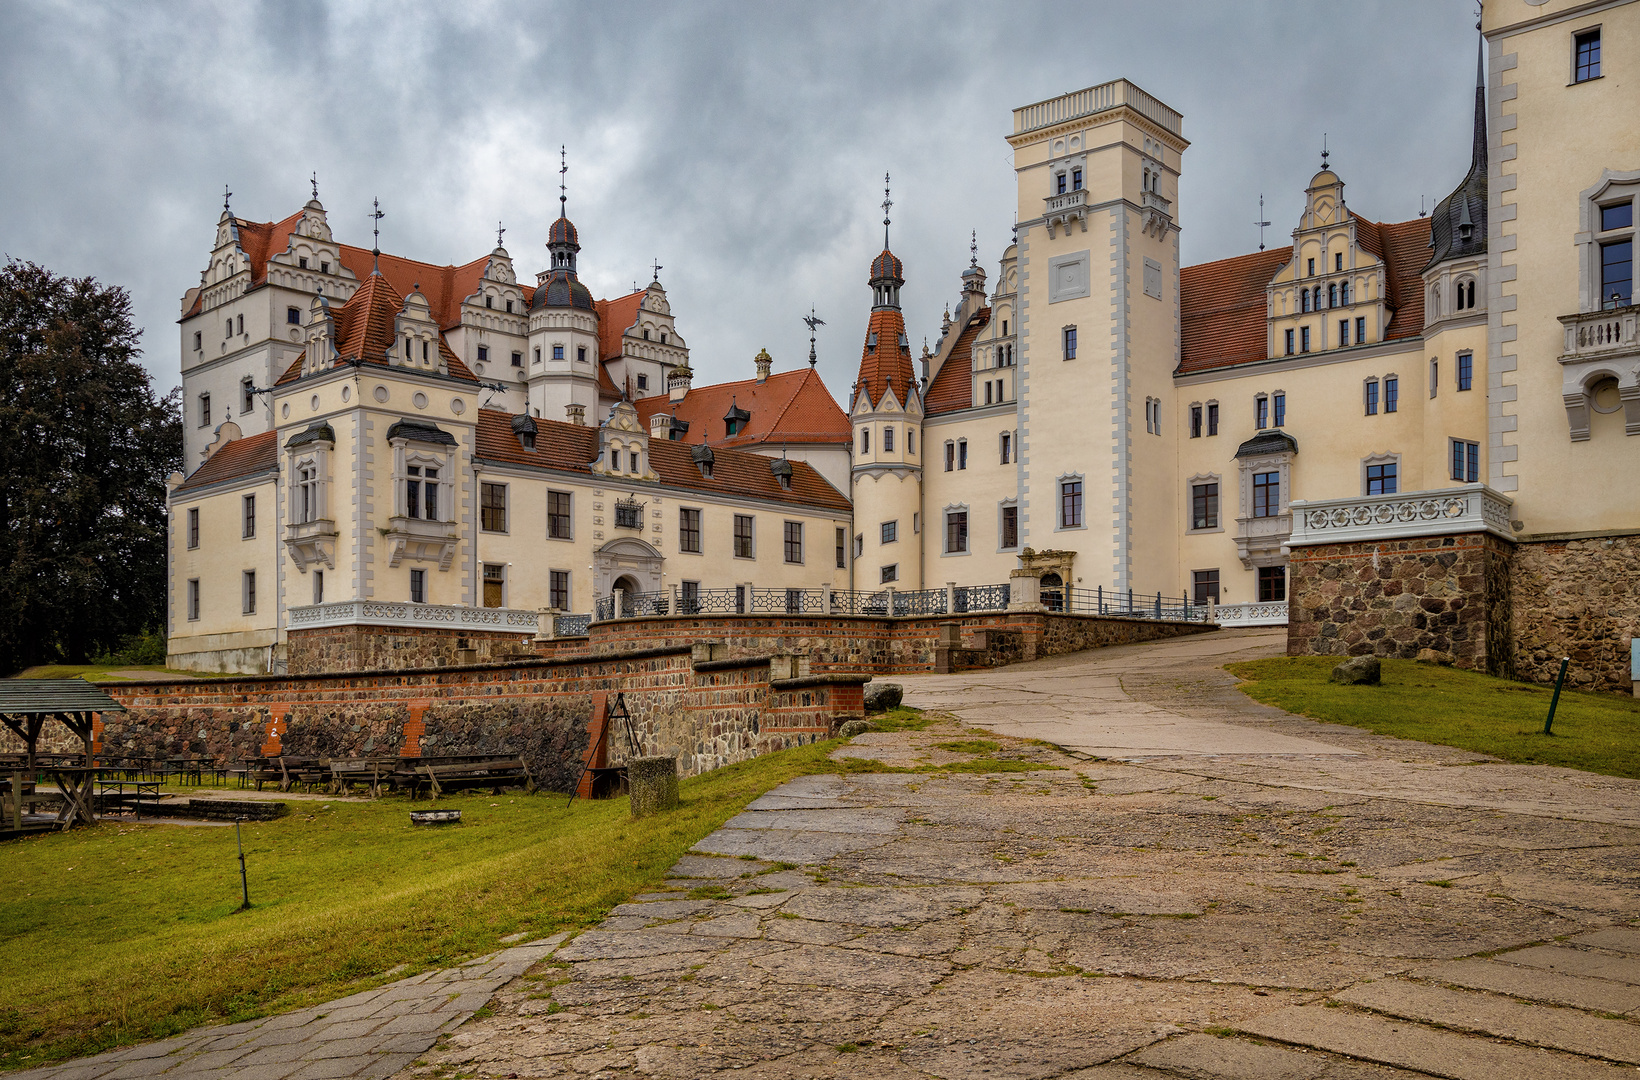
1338, 261
910, 440
418, 586
1272, 584
1381, 479
1007, 447
241, 324
1289, 336
518, 359
689, 530
421, 499
1281, 409
558, 515
1619, 216
557, 352
247, 527
1466, 461
962, 454
1266, 494
193, 527
842, 549
293, 316
1372, 397
890, 532
1343, 332
1261, 409
888, 440
1616, 273
1586, 56
193, 599
1010, 527
956, 532
581, 354
889, 574
1304, 339
1434, 377
1212, 418
1311, 267
1204, 506
1070, 343
794, 541
859, 544
199, 340
483, 352
249, 590
538, 356
558, 589
643, 382
950, 456
1205, 585
495, 584
247, 400
1070, 504
1076, 179
318, 586
1195, 421
1360, 329
1466, 370
1392, 394
865, 437
743, 536
493, 507
1060, 180
989, 389
204, 410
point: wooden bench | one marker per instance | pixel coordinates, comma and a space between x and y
373, 771
494, 774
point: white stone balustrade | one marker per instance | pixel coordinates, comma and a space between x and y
1271, 613
375, 613
1468, 508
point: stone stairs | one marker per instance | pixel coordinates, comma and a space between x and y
1568, 1009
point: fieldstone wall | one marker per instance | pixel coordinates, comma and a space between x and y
344, 730
1577, 598
396, 648
1447, 594
549, 735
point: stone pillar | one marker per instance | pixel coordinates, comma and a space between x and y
620, 603
546, 624
653, 782
748, 587
950, 598
1024, 591
891, 590
825, 598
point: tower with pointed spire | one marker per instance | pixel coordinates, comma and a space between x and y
886, 410
562, 362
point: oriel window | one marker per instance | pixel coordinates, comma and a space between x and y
1266, 494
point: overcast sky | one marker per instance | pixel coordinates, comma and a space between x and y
742, 145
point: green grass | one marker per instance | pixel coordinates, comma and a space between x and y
901, 718
100, 672
1595, 732
125, 932
971, 746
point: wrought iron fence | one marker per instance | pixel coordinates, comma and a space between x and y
571, 625
1124, 603
976, 598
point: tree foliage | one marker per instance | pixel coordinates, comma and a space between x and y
85, 447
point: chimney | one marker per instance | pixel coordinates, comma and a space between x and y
576, 414
660, 426
677, 383
764, 363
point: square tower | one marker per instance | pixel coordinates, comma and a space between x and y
1098, 174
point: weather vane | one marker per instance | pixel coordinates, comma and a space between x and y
812, 321
226, 195
1324, 150
376, 233
499, 233
1261, 223
973, 248
887, 204
658, 269
314, 180
563, 172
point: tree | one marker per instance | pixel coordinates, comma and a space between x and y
85, 447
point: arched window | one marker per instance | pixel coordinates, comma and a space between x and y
1344, 293
1304, 301
1332, 295
1471, 290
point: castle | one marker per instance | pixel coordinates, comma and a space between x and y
1395, 437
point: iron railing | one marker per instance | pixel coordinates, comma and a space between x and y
571, 625
1123, 603
976, 598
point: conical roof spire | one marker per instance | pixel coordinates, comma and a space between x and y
1457, 227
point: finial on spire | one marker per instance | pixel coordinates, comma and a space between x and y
888, 203
1261, 223
499, 233
563, 172
376, 234
1421, 210
658, 269
1324, 151
226, 195
812, 321
973, 248
314, 180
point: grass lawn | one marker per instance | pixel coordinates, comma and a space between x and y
126, 932
1595, 732
100, 672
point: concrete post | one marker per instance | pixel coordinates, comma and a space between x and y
950, 598
1024, 591
546, 624
620, 603
653, 782
891, 591
749, 605
825, 598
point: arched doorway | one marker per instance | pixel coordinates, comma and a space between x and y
1053, 591
627, 564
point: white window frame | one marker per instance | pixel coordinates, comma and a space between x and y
1190, 503
967, 531
1059, 502
1381, 459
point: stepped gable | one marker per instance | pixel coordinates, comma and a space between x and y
445, 287
571, 448
953, 385
790, 406
242, 457
1223, 307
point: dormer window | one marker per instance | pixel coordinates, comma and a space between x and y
871, 340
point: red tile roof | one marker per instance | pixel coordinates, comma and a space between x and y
364, 330
445, 287
1224, 313
953, 385
888, 364
615, 317
571, 448
242, 457
788, 407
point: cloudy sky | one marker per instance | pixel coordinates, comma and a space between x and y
743, 145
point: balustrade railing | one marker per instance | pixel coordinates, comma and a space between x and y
978, 598
1123, 603
1269, 613
571, 625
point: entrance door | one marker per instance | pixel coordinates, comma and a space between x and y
495, 577
1053, 592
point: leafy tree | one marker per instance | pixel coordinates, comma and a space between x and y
85, 447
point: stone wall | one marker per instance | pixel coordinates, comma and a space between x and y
1578, 598
395, 648
1447, 594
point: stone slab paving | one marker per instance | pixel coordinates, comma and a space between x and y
371, 1034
